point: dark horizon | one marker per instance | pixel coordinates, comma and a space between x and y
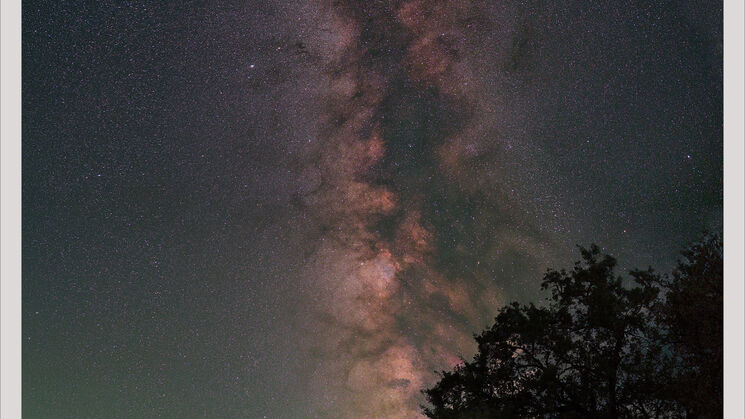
299, 209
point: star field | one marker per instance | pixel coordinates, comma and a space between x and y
302, 209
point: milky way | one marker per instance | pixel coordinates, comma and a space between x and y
304, 208
397, 276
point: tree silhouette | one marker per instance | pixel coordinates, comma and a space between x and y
692, 315
598, 347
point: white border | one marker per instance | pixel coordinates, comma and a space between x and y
734, 153
10, 215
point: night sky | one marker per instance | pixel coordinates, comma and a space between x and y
292, 209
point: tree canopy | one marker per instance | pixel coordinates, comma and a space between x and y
600, 346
